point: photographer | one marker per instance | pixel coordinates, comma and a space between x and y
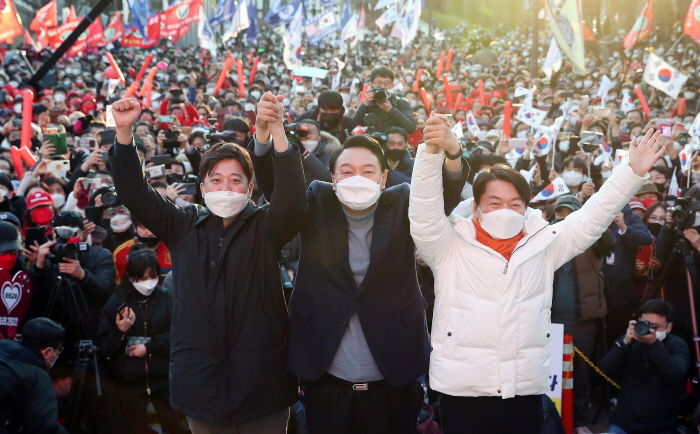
88, 273
651, 364
386, 109
27, 397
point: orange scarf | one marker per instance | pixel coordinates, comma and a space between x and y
504, 247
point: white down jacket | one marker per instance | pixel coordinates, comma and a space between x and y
492, 317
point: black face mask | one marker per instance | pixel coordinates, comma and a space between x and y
329, 119
149, 242
654, 228
395, 154
661, 187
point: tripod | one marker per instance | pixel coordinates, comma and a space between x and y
87, 350
682, 247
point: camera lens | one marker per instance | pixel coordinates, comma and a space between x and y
642, 328
109, 198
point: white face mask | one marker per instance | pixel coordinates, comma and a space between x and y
310, 145
146, 287
59, 97
357, 192
18, 108
249, 107
572, 178
225, 204
502, 224
59, 200
660, 336
120, 223
564, 145
255, 94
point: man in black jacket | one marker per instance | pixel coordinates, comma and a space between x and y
330, 115
382, 109
358, 338
229, 329
27, 396
398, 157
651, 368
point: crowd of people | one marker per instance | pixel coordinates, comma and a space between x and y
215, 258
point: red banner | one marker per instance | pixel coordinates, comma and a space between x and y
691, 26
45, 17
92, 37
179, 17
56, 35
115, 28
641, 28
10, 27
152, 35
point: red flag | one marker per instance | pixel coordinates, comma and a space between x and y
179, 16
153, 34
10, 25
115, 29
691, 26
45, 17
641, 28
96, 34
56, 35
72, 16
30, 41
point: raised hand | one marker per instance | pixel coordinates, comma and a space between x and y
126, 112
437, 135
270, 117
644, 155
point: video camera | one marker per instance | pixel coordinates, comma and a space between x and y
213, 136
381, 95
60, 251
684, 212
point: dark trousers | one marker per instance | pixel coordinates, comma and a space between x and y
584, 334
133, 411
335, 406
491, 415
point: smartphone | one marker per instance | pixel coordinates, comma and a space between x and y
600, 112
87, 142
645, 255
591, 138
171, 135
158, 160
666, 131
109, 117
517, 143
94, 214
189, 188
166, 119
105, 156
35, 234
57, 136
156, 171
58, 168
120, 309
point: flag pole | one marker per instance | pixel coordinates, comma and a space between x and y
676, 42
636, 39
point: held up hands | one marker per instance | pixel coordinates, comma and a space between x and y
126, 112
644, 155
437, 135
270, 117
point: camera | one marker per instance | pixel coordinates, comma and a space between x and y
110, 198
684, 212
643, 328
60, 251
213, 137
381, 95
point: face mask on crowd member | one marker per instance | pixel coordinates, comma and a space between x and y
120, 222
658, 176
9, 245
655, 218
396, 144
330, 110
500, 201
142, 269
226, 172
359, 172
40, 208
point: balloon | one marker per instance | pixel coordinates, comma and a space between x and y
162, 65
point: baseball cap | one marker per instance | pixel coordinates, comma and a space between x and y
9, 237
7, 216
568, 201
38, 198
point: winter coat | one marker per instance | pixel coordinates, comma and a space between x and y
492, 316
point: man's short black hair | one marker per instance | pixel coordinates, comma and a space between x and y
503, 173
361, 141
225, 151
382, 71
397, 130
657, 306
40, 333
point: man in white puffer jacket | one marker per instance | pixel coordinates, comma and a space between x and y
493, 266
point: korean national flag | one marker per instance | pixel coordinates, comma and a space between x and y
555, 189
663, 76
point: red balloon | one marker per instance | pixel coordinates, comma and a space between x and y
111, 73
